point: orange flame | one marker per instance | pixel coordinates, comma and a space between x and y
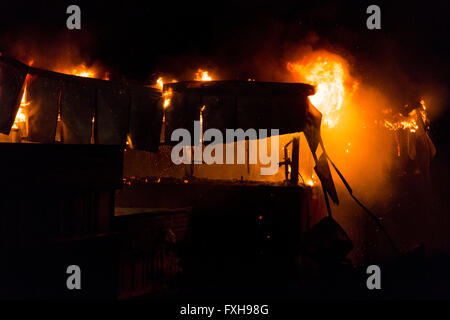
408, 122
160, 83
167, 97
312, 181
21, 117
327, 73
83, 71
202, 75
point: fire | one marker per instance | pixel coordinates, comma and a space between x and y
423, 114
160, 83
327, 73
83, 71
21, 116
167, 97
422, 102
312, 181
408, 122
202, 75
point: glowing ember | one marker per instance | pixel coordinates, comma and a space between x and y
202, 75
348, 147
312, 181
327, 74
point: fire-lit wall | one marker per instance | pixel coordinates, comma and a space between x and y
145, 164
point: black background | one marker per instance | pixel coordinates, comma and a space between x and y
139, 38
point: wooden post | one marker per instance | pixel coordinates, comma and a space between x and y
295, 159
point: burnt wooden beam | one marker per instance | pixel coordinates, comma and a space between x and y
242, 88
295, 159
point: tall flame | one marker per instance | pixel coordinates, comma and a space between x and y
167, 95
327, 74
21, 116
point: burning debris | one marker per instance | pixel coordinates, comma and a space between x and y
411, 120
410, 128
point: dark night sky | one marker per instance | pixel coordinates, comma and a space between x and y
238, 39
139, 38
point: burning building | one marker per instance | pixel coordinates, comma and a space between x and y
180, 205
103, 192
